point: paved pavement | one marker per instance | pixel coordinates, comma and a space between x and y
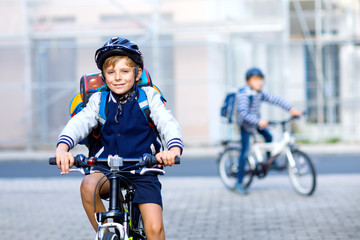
194, 208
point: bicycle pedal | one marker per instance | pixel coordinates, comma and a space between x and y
261, 174
260, 170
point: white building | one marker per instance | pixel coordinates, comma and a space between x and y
195, 50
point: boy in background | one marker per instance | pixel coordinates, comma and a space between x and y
249, 118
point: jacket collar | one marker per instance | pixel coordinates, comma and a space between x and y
113, 97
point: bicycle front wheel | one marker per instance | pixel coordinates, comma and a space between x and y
228, 168
302, 174
110, 236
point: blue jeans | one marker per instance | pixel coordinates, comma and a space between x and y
245, 144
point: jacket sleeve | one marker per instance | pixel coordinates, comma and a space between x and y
267, 97
79, 126
163, 119
245, 114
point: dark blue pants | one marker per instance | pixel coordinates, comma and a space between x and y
245, 147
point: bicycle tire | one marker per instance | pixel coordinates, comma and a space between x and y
110, 236
228, 167
303, 175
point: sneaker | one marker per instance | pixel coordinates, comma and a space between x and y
239, 189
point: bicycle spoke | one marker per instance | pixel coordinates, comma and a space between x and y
228, 168
302, 173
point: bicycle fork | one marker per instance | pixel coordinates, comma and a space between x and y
114, 213
291, 161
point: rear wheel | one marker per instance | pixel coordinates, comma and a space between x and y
228, 168
302, 175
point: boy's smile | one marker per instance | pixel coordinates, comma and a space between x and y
120, 77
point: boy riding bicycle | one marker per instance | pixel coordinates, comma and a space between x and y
249, 118
126, 133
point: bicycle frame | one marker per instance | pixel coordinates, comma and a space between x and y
299, 166
283, 146
113, 213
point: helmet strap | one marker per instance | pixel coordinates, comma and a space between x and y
136, 73
103, 77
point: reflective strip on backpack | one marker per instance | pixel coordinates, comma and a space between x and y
143, 103
102, 114
153, 150
99, 152
101, 120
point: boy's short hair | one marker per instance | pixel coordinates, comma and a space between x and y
111, 61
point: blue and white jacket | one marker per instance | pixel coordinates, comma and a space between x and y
249, 103
81, 125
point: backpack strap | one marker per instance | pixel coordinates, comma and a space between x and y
103, 105
142, 101
144, 106
244, 90
102, 114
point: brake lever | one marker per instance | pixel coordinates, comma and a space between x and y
145, 170
81, 170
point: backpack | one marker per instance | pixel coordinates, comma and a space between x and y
229, 108
91, 83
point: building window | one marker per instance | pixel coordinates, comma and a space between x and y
329, 88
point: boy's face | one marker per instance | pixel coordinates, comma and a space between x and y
120, 77
255, 82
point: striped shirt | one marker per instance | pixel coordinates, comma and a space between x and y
249, 103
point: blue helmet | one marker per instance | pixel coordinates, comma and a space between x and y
253, 72
117, 46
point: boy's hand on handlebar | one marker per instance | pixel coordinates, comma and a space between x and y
295, 113
64, 159
263, 124
167, 158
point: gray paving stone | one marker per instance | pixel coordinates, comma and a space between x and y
194, 208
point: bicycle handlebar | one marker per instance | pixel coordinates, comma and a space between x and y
80, 161
283, 122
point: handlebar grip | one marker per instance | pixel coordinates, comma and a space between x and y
177, 160
149, 160
52, 161
79, 161
154, 161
